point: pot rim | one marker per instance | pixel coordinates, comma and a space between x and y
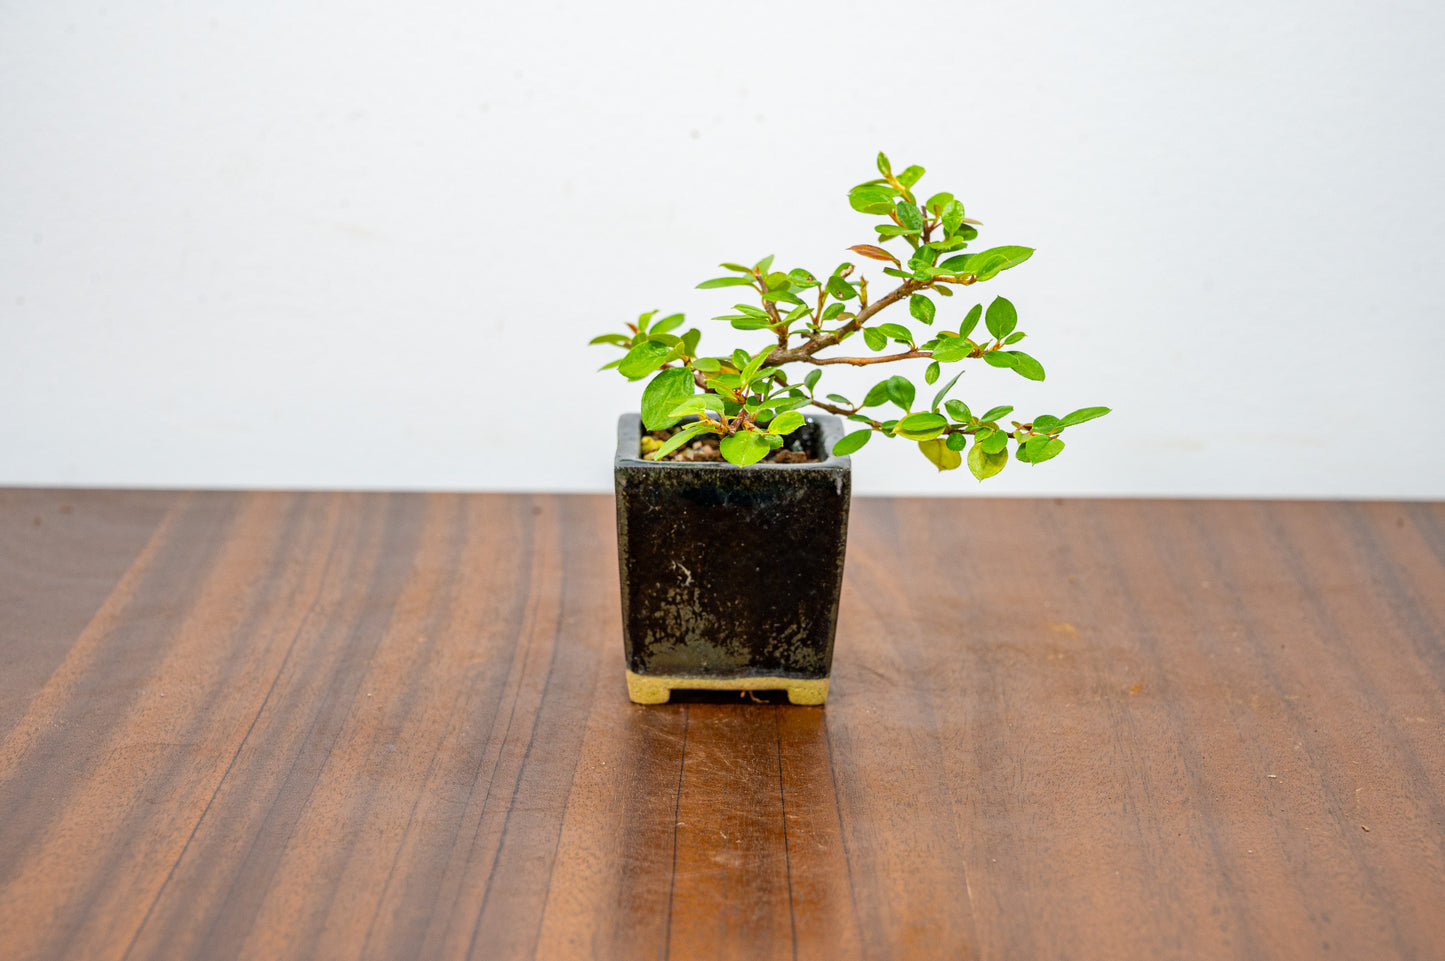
629, 438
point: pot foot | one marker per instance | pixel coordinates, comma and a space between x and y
657, 689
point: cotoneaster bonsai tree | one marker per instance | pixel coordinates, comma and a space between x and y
749, 401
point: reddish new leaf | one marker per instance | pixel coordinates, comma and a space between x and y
872, 252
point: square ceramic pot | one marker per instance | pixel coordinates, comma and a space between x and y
731, 575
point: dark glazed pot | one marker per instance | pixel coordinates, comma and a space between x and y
730, 575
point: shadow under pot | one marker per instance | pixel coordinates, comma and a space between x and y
730, 575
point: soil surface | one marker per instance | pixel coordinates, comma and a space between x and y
706, 449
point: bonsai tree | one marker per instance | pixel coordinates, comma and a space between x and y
749, 401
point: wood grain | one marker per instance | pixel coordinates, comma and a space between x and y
279, 725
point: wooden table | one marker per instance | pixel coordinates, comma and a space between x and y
272, 725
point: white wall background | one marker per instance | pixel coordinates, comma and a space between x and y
359, 244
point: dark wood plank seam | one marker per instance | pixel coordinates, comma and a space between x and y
200, 570
891, 534
1221, 573
1327, 627
576, 760
454, 551
787, 857
526, 754
1204, 545
529, 541
152, 546
843, 834
1189, 751
1403, 602
290, 649
235, 512
676, 812
1423, 516
388, 517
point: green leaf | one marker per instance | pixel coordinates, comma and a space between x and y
749, 323
725, 282
868, 199
874, 338
848, 443
938, 397
1002, 318
782, 296
921, 308
1040, 449
840, 288
786, 422
950, 349
776, 280
942, 456
1014, 337
971, 321
996, 441
664, 392
763, 265
995, 413
909, 215
921, 263
924, 425
884, 167
726, 381
956, 441
959, 411
690, 340
1047, 424
895, 230
621, 340
832, 311
930, 374
840, 399
610, 364
987, 264
1081, 415
744, 448
1000, 358
811, 380
1026, 365
645, 358
667, 323
985, 465
708, 365
681, 437
896, 331
900, 391
877, 394
750, 371
802, 278
910, 176
952, 218
698, 403
738, 267
938, 201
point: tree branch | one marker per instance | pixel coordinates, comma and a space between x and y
865, 361
805, 351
